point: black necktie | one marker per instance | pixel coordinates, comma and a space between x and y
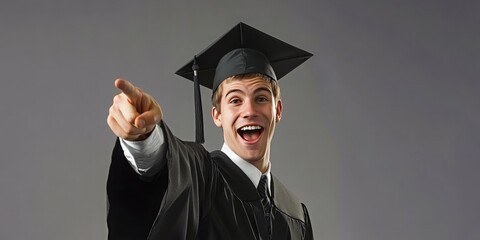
267, 206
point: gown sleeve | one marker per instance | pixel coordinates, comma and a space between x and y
133, 201
168, 205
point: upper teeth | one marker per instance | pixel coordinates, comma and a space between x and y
249, 128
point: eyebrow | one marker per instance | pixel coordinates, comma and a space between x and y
233, 91
260, 89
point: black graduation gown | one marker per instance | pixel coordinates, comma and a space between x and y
197, 195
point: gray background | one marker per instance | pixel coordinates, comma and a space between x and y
379, 137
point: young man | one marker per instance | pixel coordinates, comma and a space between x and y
160, 187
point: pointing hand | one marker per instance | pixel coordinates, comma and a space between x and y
133, 114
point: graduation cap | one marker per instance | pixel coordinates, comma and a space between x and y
241, 50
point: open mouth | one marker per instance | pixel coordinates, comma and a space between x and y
250, 133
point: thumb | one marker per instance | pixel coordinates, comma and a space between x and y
140, 123
147, 119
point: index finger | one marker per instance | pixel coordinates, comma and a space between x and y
127, 88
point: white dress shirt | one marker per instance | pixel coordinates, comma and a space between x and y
251, 171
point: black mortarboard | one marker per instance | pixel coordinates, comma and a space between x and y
241, 50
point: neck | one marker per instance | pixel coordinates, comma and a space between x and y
252, 172
264, 163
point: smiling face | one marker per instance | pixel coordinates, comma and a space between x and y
247, 113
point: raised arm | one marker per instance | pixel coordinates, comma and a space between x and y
134, 200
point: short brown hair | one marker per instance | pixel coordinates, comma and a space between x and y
217, 95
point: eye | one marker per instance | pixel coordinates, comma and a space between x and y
262, 99
234, 101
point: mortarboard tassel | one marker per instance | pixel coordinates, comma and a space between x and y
199, 135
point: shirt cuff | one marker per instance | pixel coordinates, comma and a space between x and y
144, 155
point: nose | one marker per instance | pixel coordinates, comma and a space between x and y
249, 109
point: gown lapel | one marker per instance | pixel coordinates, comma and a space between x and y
242, 187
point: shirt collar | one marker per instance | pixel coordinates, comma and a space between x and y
251, 171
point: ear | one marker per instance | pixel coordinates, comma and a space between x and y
279, 109
216, 117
